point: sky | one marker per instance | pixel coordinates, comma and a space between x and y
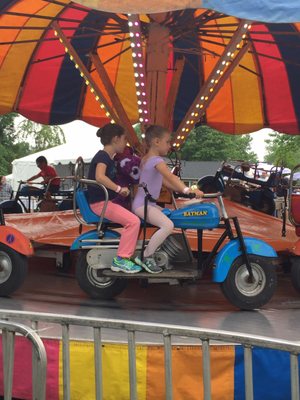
78, 132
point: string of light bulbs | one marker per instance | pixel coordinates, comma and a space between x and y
208, 91
135, 35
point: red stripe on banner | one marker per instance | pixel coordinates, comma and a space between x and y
22, 379
279, 103
40, 83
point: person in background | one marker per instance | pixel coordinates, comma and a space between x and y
5, 190
48, 174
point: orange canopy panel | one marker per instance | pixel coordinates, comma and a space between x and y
61, 228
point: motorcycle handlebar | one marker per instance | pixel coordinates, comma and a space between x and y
193, 195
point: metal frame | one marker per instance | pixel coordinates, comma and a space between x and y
167, 332
79, 181
39, 359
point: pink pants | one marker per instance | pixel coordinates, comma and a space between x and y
131, 223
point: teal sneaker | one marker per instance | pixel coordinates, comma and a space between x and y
120, 264
148, 264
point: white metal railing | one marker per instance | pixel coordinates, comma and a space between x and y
39, 359
205, 336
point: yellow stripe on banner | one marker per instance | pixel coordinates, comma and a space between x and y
187, 373
115, 371
18, 56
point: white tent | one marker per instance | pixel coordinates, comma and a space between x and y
24, 168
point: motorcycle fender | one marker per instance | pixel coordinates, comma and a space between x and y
231, 251
79, 244
16, 240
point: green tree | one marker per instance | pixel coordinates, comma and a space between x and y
20, 139
207, 144
283, 149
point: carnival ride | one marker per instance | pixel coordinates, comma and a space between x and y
242, 182
62, 61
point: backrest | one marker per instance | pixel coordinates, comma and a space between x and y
84, 207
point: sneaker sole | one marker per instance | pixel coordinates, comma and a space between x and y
148, 269
117, 269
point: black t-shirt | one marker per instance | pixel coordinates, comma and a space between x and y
96, 194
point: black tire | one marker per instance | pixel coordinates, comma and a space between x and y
295, 273
11, 207
266, 206
93, 283
210, 184
13, 270
245, 295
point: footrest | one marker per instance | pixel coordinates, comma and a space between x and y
168, 274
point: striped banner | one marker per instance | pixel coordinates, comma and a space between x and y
270, 372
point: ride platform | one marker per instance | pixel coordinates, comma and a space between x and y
61, 228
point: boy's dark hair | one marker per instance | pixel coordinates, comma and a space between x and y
108, 132
154, 131
41, 159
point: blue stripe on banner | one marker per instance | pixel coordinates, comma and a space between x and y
190, 79
289, 46
70, 86
258, 10
271, 374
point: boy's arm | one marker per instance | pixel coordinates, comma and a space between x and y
34, 177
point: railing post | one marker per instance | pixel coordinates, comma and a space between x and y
248, 372
98, 363
66, 362
294, 376
8, 343
132, 365
168, 365
206, 369
34, 325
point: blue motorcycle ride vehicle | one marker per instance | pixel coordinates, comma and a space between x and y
244, 267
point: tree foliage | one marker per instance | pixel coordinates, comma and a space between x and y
207, 144
23, 138
283, 149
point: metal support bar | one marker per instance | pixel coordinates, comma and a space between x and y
8, 341
39, 359
66, 362
206, 369
248, 372
132, 365
294, 365
98, 363
168, 366
34, 325
243, 247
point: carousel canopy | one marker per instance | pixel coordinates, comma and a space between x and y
259, 10
49, 72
